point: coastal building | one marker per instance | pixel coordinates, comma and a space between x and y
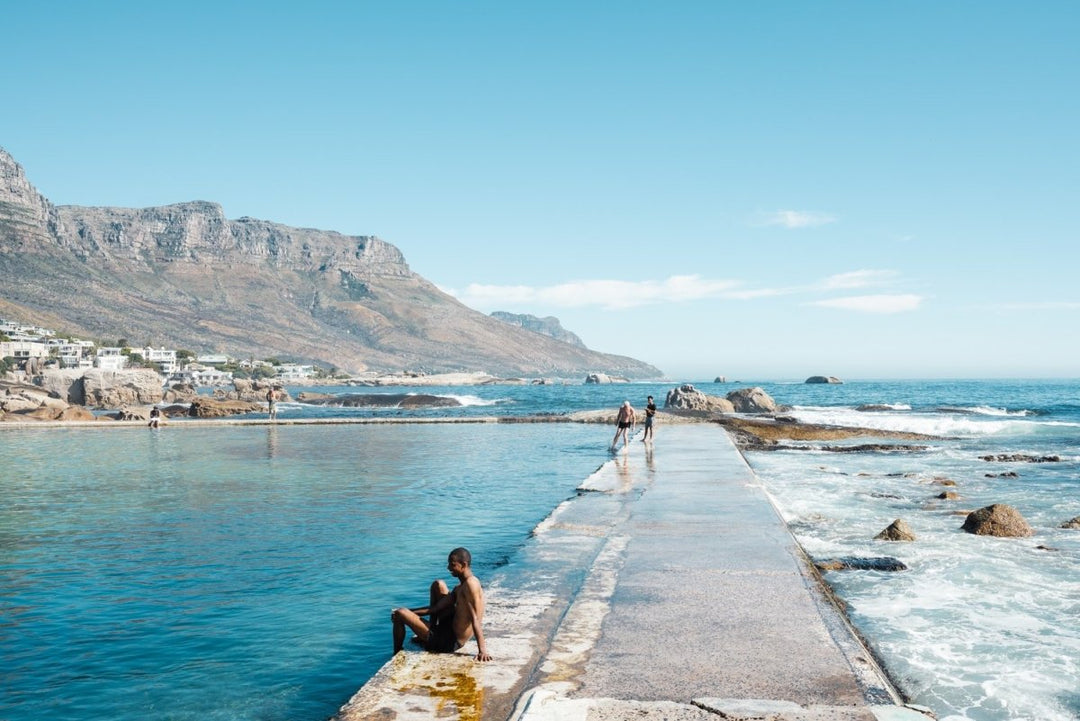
164, 358
295, 371
72, 352
213, 359
110, 358
23, 349
196, 374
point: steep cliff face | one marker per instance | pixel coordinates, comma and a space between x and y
186, 276
26, 216
549, 326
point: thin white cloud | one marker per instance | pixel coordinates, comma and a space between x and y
622, 294
858, 279
607, 294
899, 303
795, 219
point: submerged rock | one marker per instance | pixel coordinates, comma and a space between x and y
898, 530
1020, 458
875, 448
997, 520
853, 563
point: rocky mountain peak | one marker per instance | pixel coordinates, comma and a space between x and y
185, 276
549, 326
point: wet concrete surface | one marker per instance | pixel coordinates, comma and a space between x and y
691, 600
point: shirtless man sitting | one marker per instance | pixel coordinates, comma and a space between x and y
453, 616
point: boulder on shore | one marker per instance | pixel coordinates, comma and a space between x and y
832, 380
116, 389
997, 520
203, 407
752, 400
898, 530
252, 390
179, 393
688, 398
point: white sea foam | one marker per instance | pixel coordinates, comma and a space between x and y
477, 400
979, 628
985, 411
962, 423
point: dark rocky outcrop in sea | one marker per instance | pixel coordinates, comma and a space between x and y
853, 563
378, 400
1020, 458
831, 380
1073, 524
603, 378
997, 520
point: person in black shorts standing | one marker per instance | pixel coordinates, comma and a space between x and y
650, 412
624, 424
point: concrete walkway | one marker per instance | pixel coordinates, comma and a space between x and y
695, 603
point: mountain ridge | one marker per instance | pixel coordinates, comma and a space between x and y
184, 275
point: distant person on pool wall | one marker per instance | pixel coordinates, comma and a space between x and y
453, 616
624, 423
650, 411
271, 404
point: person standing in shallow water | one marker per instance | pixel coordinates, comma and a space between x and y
650, 412
624, 424
454, 617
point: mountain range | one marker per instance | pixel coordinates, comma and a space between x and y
185, 276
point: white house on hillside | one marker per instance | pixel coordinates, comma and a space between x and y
199, 375
165, 358
22, 349
213, 359
110, 359
294, 371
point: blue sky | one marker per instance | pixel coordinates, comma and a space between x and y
757, 190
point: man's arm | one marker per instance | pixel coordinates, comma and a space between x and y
473, 599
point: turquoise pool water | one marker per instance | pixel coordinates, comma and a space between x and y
246, 572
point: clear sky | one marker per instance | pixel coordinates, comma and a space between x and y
762, 190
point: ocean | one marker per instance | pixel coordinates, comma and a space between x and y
247, 572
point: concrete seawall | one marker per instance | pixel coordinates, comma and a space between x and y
668, 589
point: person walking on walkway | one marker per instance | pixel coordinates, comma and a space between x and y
624, 424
